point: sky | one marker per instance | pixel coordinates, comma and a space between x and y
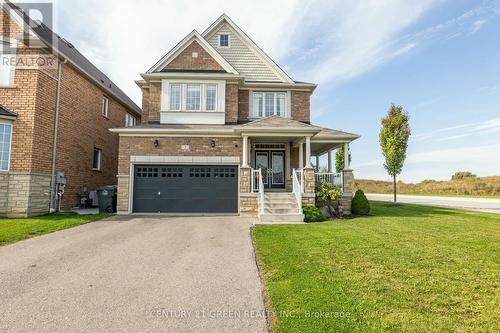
439, 59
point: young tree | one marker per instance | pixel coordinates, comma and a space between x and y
394, 136
339, 159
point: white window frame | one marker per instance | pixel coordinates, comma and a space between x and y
220, 95
200, 99
99, 159
215, 98
254, 113
11, 125
228, 40
11, 44
105, 106
129, 120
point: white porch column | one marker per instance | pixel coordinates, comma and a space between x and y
308, 151
317, 163
346, 156
301, 155
330, 161
245, 151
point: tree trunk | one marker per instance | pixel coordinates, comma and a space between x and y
394, 185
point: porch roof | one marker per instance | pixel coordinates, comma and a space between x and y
278, 125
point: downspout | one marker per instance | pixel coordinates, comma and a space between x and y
56, 129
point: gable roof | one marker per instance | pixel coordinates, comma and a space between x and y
328, 133
69, 52
248, 42
183, 44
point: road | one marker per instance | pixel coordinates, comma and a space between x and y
479, 204
134, 274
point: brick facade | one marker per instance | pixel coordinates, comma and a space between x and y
185, 59
243, 105
25, 187
231, 103
301, 106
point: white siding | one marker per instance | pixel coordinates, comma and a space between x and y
242, 58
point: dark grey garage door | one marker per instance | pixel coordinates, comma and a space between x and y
186, 189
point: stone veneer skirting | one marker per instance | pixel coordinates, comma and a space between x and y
24, 194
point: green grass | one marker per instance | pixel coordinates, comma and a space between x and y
404, 269
16, 229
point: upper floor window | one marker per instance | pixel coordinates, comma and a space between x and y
267, 104
7, 63
105, 106
5, 142
96, 162
193, 96
129, 120
224, 40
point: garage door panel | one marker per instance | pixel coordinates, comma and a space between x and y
185, 189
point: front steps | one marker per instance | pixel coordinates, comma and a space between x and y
281, 207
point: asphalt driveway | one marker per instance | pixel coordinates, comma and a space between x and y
134, 274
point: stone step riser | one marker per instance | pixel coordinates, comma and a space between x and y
281, 211
292, 205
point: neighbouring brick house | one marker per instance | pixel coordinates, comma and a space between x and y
225, 131
55, 115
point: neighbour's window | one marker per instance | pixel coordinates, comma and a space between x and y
7, 64
5, 142
211, 97
105, 106
129, 120
193, 97
223, 40
96, 164
266, 104
175, 97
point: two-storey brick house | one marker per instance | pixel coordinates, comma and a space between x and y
224, 130
56, 109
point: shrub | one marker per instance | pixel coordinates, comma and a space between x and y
360, 204
427, 181
462, 175
326, 194
313, 214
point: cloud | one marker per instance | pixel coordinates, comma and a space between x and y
460, 131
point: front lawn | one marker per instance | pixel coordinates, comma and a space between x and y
404, 269
16, 229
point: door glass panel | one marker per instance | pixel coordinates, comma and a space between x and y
262, 162
278, 168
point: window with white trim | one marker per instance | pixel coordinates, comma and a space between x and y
96, 163
267, 104
223, 40
105, 106
211, 102
193, 97
5, 143
175, 96
7, 64
129, 120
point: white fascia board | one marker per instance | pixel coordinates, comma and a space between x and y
278, 85
250, 43
162, 75
183, 44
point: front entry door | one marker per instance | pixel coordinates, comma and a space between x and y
272, 164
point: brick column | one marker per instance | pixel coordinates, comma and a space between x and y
123, 194
308, 197
346, 199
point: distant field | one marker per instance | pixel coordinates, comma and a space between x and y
474, 186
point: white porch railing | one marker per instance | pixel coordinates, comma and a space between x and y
329, 177
258, 186
298, 186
